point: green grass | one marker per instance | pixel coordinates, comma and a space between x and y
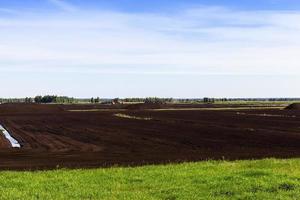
264, 179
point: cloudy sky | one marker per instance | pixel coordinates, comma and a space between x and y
131, 48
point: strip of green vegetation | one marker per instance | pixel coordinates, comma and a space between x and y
264, 179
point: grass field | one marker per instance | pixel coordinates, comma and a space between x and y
263, 179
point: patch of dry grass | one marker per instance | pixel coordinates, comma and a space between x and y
132, 117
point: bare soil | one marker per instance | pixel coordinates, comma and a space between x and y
52, 136
294, 106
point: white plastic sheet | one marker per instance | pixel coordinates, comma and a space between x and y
14, 143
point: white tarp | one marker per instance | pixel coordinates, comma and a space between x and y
14, 143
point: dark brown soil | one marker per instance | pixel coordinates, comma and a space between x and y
51, 136
294, 106
145, 106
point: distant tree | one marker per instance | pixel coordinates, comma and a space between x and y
97, 100
208, 100
28, 100
38, 99
51, 99
155, 100
116, 101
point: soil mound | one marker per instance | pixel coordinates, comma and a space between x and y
294, 106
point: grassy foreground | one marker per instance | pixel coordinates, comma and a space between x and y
264, 179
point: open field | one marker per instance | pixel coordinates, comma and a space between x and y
53, 136
265, 179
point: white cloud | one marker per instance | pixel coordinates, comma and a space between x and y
205, 40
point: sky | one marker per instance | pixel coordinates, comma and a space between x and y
141, 48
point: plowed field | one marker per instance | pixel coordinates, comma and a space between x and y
97, 135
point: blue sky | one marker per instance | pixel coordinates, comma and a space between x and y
158, 5
131, 48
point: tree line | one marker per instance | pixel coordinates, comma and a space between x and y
54, 99
149, 100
